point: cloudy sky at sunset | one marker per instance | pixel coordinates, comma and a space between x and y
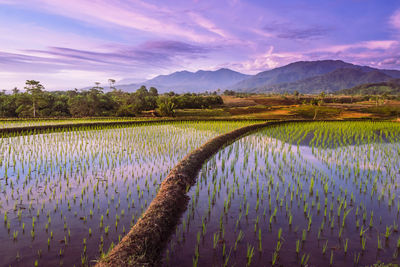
68, 44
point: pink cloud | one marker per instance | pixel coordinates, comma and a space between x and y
208, 25
395, 20
137, 15
376, 44
264, 61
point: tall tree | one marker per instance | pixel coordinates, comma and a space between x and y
111, 82
97, 86
296, 94
35, 89
153, 91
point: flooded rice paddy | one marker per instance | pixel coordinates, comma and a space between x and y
67, 197
304, 194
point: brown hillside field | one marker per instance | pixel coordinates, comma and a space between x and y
308, 107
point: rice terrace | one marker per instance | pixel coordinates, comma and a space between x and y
199, 133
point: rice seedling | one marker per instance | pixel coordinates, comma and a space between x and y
297, 246
388, 232
379, 243
304, 259
363, 243
250, 254
324, 247
274, 258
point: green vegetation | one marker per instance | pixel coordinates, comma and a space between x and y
384, 111
36, 102
315, 112
391, 87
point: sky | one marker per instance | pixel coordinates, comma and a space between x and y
72, 44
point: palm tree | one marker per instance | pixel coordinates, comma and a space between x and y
111, 83
35, 89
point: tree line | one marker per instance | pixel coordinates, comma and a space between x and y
35, 101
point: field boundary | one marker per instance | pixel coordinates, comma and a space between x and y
71, 126
143, 244
37, 129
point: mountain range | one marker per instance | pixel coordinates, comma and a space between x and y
302, 76
195, 82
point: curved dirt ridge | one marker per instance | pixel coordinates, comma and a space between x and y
143, 244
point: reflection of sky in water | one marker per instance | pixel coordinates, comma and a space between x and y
48, 159
370, 158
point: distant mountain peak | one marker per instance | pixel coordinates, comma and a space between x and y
303, 76
225, 69
313, 76
199, 81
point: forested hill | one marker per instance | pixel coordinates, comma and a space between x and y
391, 87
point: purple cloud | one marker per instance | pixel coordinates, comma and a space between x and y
125, 58
174, 47
289, 31
148, 52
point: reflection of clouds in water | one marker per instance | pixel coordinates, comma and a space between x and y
380, 164
377, 159
277, 146
360, 152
